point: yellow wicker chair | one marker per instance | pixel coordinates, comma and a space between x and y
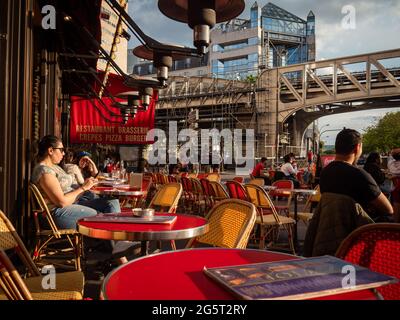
220, 192
167, 198
214, 177
268, 218
231, 222
257, 181
51, 234
307, 214
69, 285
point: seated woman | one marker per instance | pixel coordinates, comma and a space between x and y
79, 166
67, 204
373, 167
289, 169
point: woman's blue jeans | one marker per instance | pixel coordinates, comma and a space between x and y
87, 205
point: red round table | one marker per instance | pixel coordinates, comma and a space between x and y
185, 227
125, 192
178, 275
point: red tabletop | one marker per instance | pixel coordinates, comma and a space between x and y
178, 275
123, 189
185, 227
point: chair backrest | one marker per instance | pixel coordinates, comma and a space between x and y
219, 190
214, 177
208, 190
238, 179
260, 198
236, 190
376, 247
257, 181
282, 184
313, 200
196, 185
39, 206
187, 184
10, 280
171, 178
230, 223
166, 199
9, 239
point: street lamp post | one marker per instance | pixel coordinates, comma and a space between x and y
319, 137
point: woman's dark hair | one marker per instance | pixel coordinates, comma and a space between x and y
396, 156
373, 157
45, 143
287, 158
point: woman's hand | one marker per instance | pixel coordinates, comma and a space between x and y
89, 183
86, 162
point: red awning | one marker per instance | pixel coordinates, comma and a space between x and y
95, 121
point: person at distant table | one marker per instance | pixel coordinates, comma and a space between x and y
289, 169
258, 171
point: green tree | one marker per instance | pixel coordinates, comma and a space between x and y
383, 136
251, 78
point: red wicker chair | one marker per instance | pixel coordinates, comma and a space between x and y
236, 190
376, 247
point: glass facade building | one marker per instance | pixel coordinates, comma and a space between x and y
282, 39
240, 48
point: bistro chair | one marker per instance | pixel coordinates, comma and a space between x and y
198, 194
377, 247
69, 285
48, 233
257, 181
219, 191
230, 224
171, 178
236, 190
311, 203
167, 198
282, 184
238, 179
268, 219
214, 177
209, 193
188, 195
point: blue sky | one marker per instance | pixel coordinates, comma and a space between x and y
376, 28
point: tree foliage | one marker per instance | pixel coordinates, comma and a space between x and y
383, 136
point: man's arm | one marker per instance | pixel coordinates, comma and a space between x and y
382, 204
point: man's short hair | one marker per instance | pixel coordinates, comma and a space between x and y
346, 140
396, 156
263, 159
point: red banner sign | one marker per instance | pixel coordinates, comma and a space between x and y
327, 159
94, 121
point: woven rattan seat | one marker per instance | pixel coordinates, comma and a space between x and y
268, 218
46, 236
377, 247
230, 225
69, 285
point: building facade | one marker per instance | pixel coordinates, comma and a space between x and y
109, 22
272, 37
